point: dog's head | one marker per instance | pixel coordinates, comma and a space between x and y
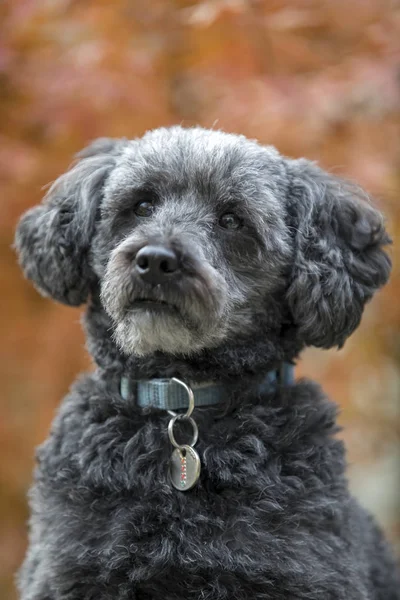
193, 235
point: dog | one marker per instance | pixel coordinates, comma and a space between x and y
211, 261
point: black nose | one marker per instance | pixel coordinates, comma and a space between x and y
156, 264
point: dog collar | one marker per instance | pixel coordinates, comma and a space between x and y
170, 394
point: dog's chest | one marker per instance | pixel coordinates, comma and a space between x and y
106, 500
124, 520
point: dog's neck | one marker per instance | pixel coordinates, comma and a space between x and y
236, 362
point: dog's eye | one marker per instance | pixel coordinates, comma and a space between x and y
144, 208
230, 221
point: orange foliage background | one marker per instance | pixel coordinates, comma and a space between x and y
318, 78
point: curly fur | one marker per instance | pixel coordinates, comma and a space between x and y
271, 517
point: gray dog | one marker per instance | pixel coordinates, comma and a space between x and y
208, 262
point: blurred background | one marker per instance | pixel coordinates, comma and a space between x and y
315, 78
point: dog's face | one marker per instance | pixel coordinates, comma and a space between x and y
193, 234
191, 240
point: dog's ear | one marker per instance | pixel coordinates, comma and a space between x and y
53, 239
339, 260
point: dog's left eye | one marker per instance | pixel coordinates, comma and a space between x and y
230, 221
144, 208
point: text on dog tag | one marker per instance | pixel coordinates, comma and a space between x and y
184, 468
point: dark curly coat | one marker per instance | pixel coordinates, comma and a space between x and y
291, 265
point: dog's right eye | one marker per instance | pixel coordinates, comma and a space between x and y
144, 208
230, 221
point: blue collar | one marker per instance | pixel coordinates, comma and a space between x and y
166, 394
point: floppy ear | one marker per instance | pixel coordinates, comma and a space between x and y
53, 239
339, 262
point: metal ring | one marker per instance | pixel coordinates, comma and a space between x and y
171, 431
191, 400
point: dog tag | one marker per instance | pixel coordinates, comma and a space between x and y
184, 468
